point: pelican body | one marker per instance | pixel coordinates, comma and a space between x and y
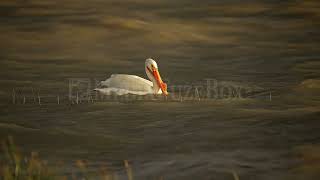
121, 84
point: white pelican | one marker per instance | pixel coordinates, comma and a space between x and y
121, 84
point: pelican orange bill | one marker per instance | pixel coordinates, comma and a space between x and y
161, 84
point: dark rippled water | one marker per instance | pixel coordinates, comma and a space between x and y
272, 46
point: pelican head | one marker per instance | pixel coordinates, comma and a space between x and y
154, 75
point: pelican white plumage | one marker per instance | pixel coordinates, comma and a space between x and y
121, 84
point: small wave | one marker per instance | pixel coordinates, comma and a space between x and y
15, 126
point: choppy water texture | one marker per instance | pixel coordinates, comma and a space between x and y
273, 45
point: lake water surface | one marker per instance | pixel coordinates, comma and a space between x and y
272, 46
